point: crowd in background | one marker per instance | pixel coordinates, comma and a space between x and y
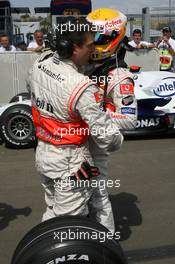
136, 42
35, 45
165, 42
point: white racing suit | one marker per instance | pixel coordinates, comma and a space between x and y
65, 109
120, 91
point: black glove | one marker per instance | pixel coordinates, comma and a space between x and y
86, 172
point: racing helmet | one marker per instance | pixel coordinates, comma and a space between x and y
110, 27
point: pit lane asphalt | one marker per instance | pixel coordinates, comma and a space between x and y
144, 205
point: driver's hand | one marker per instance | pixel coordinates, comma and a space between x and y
138, 46
165, 39
39, 48
142, 46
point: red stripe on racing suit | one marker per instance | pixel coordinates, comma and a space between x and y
55, 132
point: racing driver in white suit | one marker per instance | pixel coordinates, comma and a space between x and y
120, 91
66, 110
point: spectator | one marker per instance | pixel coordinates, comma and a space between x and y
137, 41
38, 44
166, 46
166, 42
5, 44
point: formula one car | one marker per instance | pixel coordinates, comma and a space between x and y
155, 94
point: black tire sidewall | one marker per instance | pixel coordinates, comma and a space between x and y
40, 247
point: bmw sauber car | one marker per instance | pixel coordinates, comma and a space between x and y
155, 94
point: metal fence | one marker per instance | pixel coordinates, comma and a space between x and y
5, 20
151, 21
161, 17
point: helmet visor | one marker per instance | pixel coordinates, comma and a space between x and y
103, 38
